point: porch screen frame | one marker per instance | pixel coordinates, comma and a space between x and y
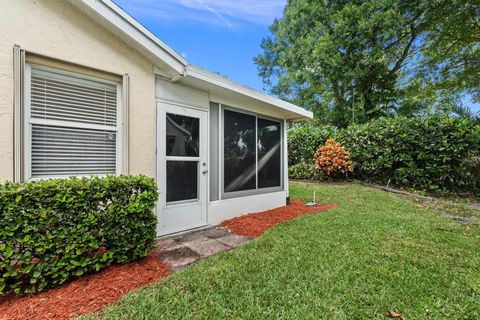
256, 191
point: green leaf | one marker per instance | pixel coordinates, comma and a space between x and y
8, 252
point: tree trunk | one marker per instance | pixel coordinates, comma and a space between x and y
477, 170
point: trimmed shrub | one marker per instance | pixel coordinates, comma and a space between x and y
305, 171
333, 159
304, 141
55, 230
425, 153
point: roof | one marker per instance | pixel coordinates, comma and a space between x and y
111, 16
213, 82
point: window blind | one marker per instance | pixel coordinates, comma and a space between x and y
73, 125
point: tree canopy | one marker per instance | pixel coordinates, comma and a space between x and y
354, 60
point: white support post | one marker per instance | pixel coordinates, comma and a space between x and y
285, 157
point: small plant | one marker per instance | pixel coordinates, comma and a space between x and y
333, 159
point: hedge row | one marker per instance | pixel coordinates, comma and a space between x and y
426, 153
54, 230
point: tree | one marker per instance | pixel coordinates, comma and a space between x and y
351, 60
452, 47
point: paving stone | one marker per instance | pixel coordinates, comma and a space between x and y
215, 233
197, 241
179, 258
233, 240
167, 245
181, 251
207, 247
192, 236
460, 219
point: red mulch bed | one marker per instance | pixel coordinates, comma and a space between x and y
96, 291
87, 294
255, 224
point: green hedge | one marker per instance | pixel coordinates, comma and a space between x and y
55, 230
425, 153
304, 141
305, 171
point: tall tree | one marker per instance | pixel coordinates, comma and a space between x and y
452, 47
353, 60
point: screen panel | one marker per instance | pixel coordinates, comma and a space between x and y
182, 180
239, 151
269, 153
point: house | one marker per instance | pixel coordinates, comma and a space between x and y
87, 90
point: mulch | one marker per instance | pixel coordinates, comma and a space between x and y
255, 224
94, 292
87, 294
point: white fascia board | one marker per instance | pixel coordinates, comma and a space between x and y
219, 81
141, 35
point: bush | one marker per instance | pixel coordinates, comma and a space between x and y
54, 230
333, 159
425, 153
304, 141
305, 171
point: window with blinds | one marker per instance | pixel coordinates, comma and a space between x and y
73, 125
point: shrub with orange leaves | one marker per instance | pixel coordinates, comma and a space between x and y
333, 159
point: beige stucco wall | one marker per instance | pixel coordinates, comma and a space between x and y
54, 28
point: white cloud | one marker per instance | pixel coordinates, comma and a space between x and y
218, 12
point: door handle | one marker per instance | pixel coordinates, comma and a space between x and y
205, 171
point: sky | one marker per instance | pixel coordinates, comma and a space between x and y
221, 36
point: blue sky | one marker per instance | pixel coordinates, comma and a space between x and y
218, 35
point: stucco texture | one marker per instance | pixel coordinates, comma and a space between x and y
54, 28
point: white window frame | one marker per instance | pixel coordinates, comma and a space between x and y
29, 121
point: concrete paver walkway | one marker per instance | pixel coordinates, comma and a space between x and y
183, 250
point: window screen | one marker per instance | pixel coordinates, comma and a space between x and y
73, 125
239, 151
269, 156
252, 152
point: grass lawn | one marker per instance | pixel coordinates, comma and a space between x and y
376, 252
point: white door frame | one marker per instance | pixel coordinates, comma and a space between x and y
189, 214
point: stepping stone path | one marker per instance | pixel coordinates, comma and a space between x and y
460, 219
183, 250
